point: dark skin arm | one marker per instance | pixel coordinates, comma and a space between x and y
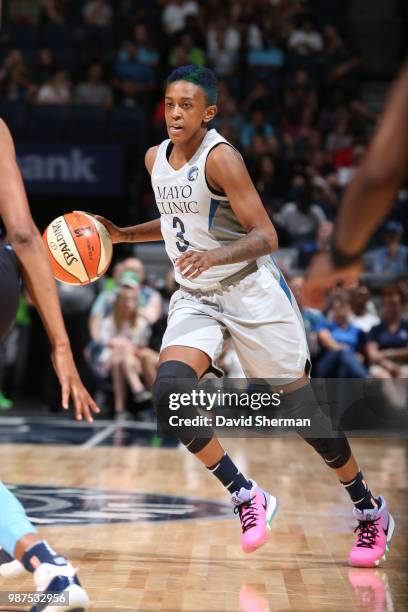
226, 171
144, 232
26, 241
380, 175
371, 193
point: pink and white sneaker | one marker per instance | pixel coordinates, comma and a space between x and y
256, 509
374, 532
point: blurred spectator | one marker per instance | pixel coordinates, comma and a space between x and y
258, 98
129, 69
363, 314
186, 52
342, 345
228, 112
392, 258
97, 13
267, 57
175, 14
26, 12
256, 126
16, 86
14, 59
44, 66
387, 346
340, 64
301, 218
94, 91
222, 59
123, 340
128, 96
306, 39
146, 51
402, 285
313, 319
321, 243
56, 91
222, 35
56, 10
223, 43
150, 304
267, 184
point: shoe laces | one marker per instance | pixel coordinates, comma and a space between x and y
367, 533
247, 514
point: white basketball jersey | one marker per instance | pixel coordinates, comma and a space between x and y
194, 217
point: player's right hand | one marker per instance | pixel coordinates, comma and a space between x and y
71, 384
114, 231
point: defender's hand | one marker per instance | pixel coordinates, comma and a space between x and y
192, 263
71, 385
321, 278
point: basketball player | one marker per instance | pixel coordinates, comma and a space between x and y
371, 193
25, 254
219, 238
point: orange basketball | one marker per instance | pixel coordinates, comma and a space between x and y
79, 248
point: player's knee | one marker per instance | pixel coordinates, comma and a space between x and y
176, 378
334, 451
170, 375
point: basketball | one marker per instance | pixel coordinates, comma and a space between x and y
79, 248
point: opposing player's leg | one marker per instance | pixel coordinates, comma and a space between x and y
21, 548
254, 506
51, 571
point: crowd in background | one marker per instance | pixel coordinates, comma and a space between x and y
290, 99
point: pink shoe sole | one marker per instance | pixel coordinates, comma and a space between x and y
271, 510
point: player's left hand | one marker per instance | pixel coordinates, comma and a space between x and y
193, 263
71, 385
321, 278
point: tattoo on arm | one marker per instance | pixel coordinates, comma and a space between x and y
253, 245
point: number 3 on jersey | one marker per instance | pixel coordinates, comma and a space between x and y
184, 244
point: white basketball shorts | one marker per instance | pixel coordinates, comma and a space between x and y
258, 312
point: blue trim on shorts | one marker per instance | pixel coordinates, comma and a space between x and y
282, 281
214, 204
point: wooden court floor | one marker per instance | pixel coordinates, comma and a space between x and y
197, 565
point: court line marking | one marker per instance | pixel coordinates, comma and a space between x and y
98, 437
60, 422
12, 421
111, 428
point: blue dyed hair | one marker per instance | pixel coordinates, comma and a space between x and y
202, 77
